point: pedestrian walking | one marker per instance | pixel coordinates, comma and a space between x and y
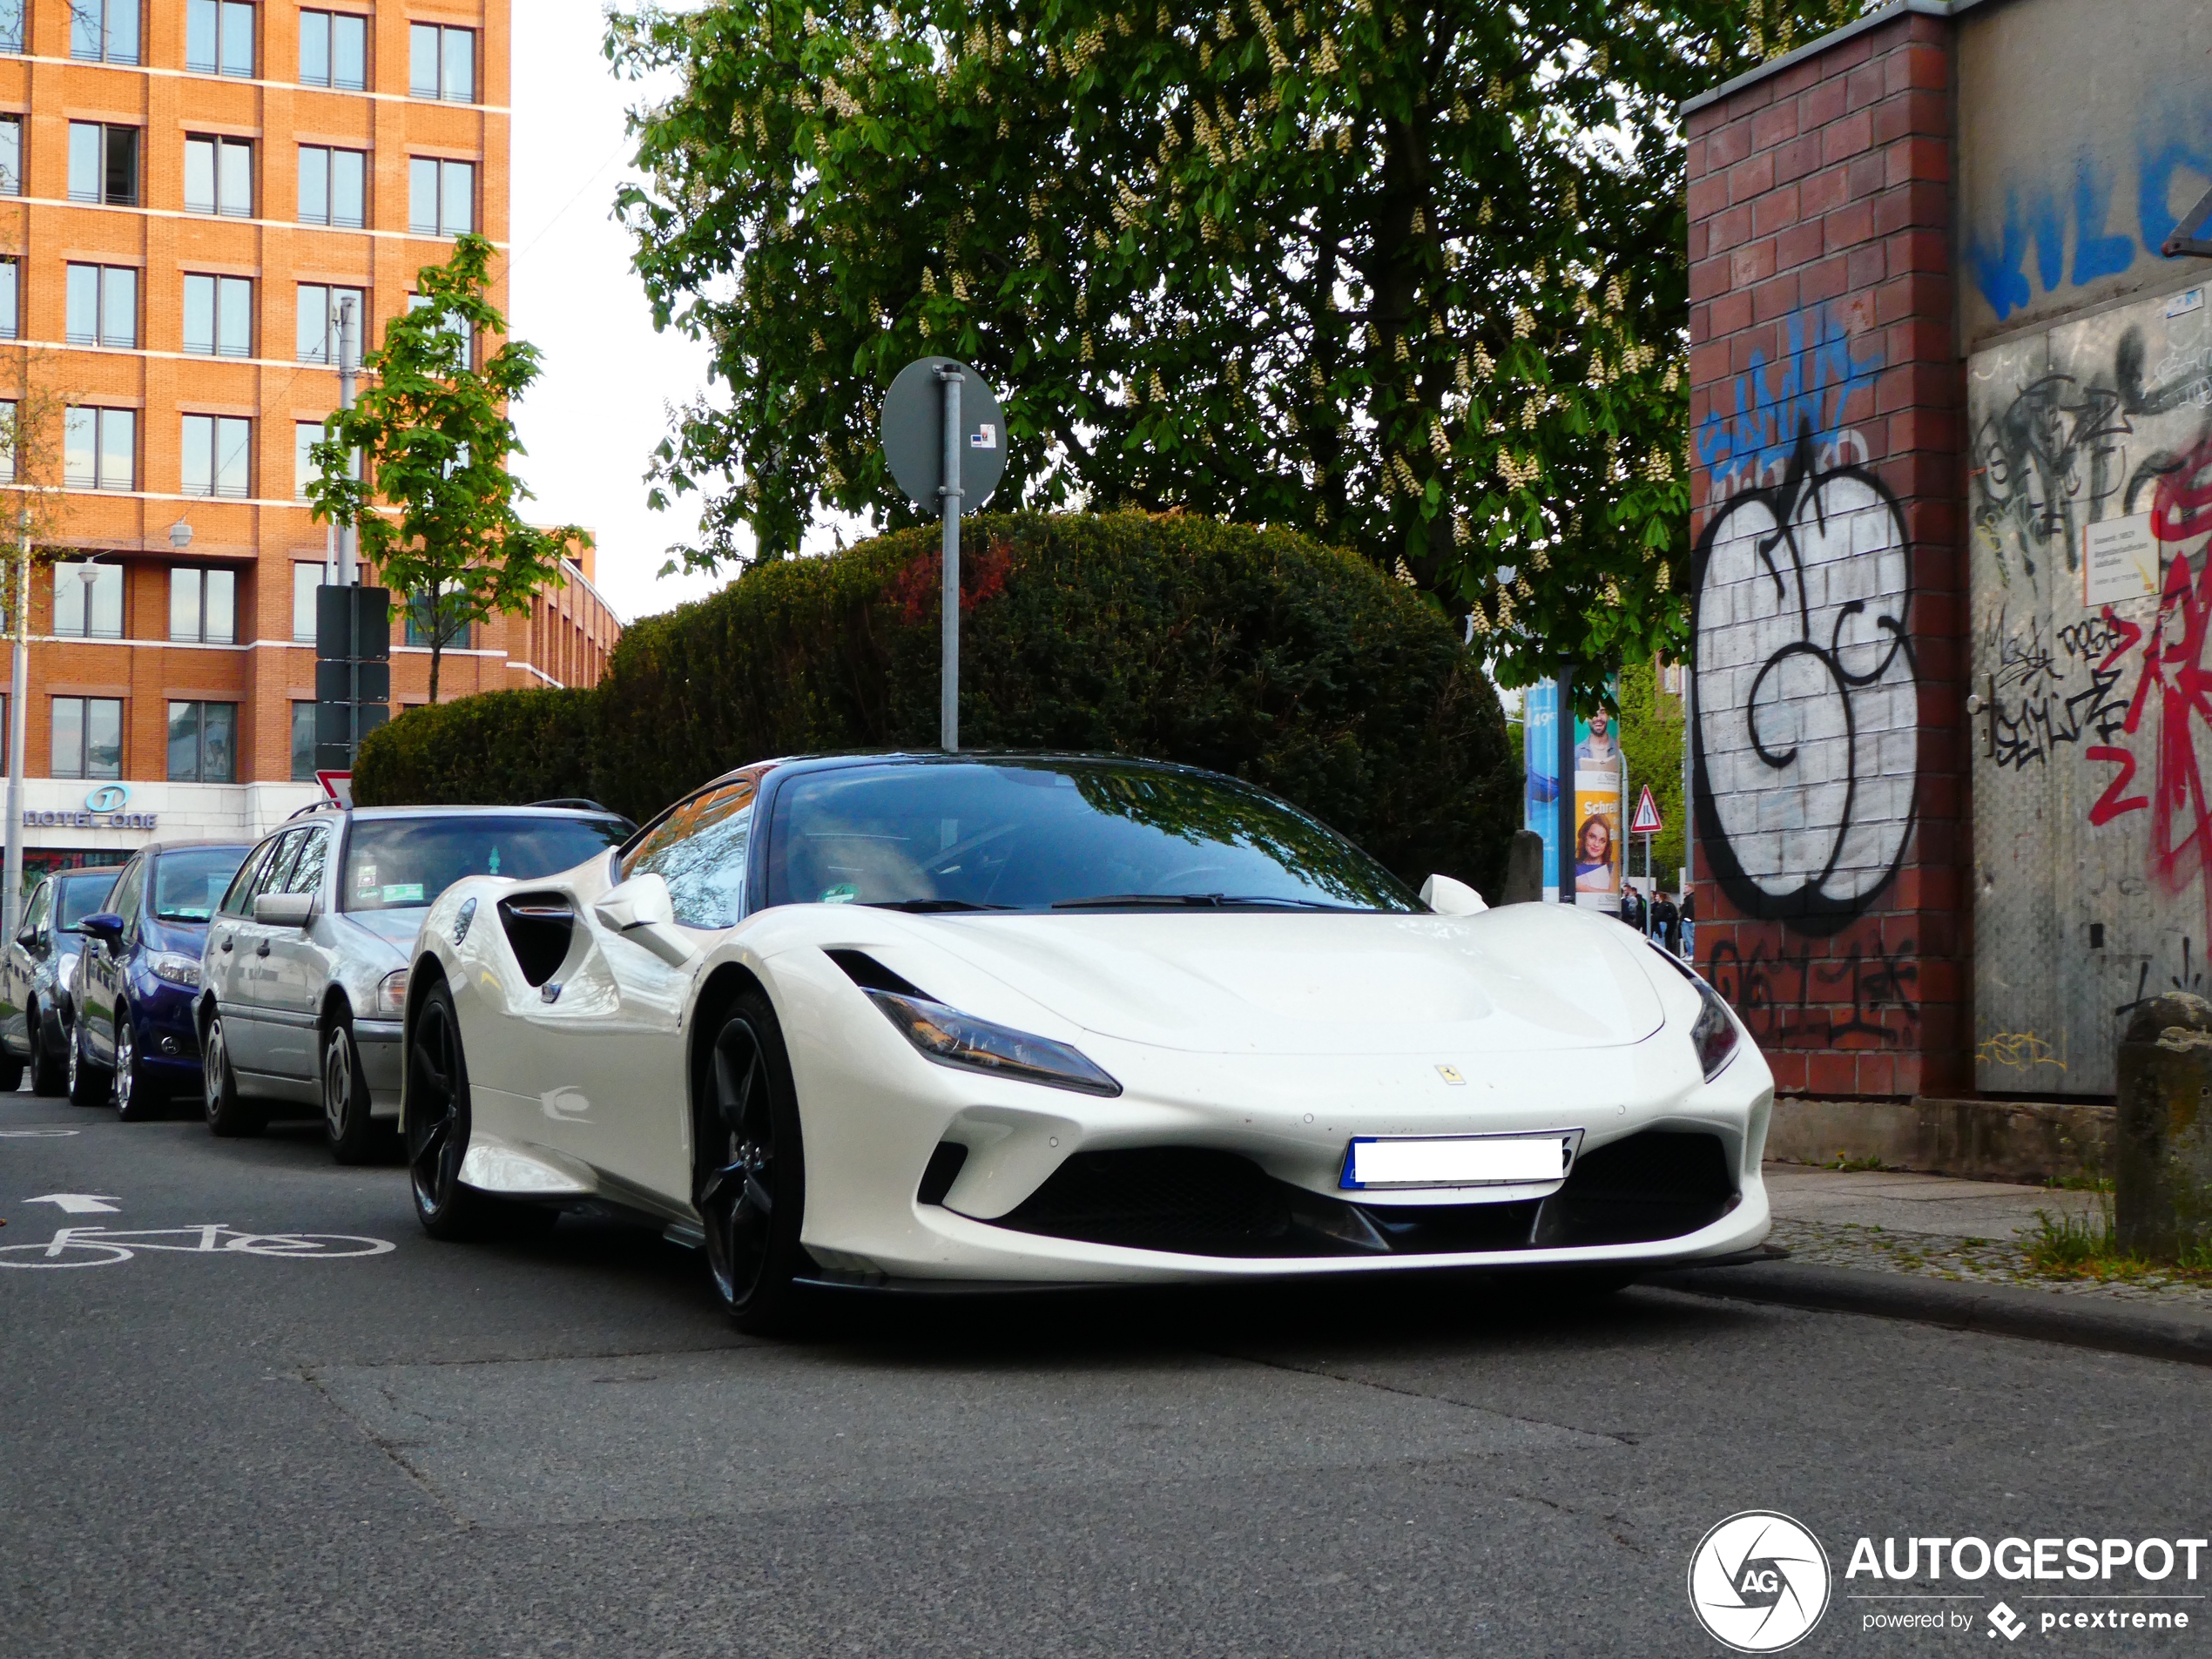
1666, 924
1689, 925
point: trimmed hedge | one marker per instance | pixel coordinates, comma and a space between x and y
1254, 652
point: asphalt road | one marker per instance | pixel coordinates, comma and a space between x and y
560, 1448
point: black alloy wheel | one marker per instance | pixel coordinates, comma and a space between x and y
345, 1121
437, 1122
136, 1099
88, 1084
227, 1114
751, 1181
49, 1066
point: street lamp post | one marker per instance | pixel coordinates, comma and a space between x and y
18, 727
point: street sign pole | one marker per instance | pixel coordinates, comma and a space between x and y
949, 692
1567, 849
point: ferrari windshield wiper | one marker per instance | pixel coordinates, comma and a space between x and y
1186, 901
926, 907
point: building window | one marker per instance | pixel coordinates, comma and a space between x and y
219, 37
103, 308
203, 742
441, 63
333, 50
87, 600
8, 441
203, 607
453, 636
104, 31
103, 164
318, 321
303, 742
219, 315
10, 155
333, 186
11, 25
442, 197
218, 455
88, 736
219, 176
10, 301
306, 579
100, 449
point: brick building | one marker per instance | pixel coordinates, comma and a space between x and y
1945, 385
186, 188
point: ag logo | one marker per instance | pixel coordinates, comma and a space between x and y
1758, 1581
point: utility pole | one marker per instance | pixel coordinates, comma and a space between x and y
348, 538
18, 727
1567, 849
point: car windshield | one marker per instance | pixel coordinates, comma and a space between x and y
83, 896
187, 884
404, 863
1022, 835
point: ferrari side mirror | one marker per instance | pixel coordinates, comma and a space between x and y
1449, 897
642, 912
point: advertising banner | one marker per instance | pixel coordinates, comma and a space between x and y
1539, 752
1599, 844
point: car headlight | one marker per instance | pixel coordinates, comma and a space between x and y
1714, 1035
174, 966
390, 1001
952, 1038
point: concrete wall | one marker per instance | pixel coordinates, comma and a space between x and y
2085, 131
1828, 741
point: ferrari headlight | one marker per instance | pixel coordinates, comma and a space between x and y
390, 1001
1714, 1035
174, 966
952, 1038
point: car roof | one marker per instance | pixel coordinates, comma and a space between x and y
157, 848
375, 813
939, 758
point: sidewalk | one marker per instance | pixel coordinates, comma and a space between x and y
1942, 1252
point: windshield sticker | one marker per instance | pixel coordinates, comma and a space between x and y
843, 893
492, 865
402, 892
365, 876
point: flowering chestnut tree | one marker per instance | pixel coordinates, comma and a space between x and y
1407, 274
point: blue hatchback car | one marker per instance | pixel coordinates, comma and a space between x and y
137, 978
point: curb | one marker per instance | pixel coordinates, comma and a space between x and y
1995, 1309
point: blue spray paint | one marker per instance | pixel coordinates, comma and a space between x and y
1807, 388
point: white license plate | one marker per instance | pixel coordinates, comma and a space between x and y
1458, 1161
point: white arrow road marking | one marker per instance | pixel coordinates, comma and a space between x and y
79, 1203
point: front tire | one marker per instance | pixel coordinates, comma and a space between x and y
138, 1098
88, 1084
227, 1114
345, 1121
750, 1184
438, 1122
49, 1069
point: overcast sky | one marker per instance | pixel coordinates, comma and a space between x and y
593, 419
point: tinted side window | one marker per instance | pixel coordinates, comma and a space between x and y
700, 850
128, 889
272, 875
41, 902
306, 874
237, 901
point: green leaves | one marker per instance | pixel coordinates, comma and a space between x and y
435, 506
1409, 278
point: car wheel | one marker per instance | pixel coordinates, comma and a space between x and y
48, 1066
88, 1082
226, 1114
138, 1097
437, 1123
345, 1097
751, 1181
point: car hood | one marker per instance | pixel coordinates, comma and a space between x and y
1514, 980
395, 927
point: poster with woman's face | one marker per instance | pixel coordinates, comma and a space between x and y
1598, 840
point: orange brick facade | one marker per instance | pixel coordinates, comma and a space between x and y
262, 533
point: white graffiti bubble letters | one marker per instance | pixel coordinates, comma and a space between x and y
1807, 698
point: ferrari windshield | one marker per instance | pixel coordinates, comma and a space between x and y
187, 884
1072, 835
404, 863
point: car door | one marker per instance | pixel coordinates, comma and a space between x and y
218, 967
247, 1030
605, 1057
297, 966
99, 966
24, 953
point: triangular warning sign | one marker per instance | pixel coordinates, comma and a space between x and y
1646, 822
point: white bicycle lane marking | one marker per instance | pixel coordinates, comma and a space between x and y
33, 1133
105, 1246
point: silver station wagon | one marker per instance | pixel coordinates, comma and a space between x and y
304, 975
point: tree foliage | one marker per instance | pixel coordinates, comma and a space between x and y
436, 505
1409, 277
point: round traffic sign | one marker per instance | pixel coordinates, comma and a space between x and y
913, 434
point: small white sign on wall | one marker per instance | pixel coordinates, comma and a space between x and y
2119, 560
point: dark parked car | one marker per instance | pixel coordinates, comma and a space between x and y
34, 999
139, 976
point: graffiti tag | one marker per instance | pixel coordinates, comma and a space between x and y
1788, 998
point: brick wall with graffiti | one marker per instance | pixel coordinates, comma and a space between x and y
2090, 496
1828, 746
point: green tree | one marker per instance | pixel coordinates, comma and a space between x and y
435, 503
1651, 740
1407, 276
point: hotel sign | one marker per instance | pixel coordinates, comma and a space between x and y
103, 809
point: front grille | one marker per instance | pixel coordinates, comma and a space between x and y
1194, 1201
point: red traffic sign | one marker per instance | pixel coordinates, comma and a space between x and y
1647, 821
338, 785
